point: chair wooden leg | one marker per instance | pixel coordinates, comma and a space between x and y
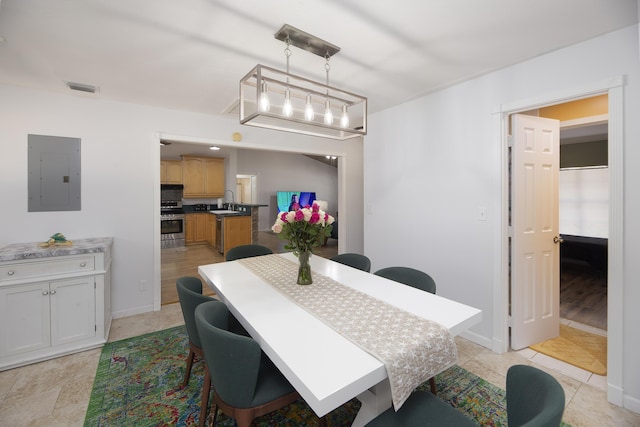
204, 403
214, 411
244, 418
432, 382
187, 373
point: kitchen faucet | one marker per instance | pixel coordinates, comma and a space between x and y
232, 199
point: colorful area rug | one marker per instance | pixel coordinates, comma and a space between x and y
138, 384
578, 348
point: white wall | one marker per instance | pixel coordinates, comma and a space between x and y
432, 163
120, 176
287, 172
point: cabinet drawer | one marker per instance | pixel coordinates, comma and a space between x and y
46, 268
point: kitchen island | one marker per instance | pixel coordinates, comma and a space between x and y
222, 228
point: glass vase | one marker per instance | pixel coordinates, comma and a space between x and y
304, 269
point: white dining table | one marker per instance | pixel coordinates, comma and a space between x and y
326, 369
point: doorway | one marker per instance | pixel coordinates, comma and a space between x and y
247, 188
614, 89
583, 207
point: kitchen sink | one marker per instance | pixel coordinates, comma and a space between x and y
226, 212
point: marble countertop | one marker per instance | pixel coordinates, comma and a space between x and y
21, 251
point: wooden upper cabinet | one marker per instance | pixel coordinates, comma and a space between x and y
202, 177
170, 172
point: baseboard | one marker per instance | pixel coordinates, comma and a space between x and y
132, 312
478, 339
632, 404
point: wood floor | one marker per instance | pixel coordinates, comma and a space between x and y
583, 294
180, 262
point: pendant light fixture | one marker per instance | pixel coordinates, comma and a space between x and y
278, 100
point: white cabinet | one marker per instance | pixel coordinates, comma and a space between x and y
25, 306
53, 306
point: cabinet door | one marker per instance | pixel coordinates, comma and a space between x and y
201, 227
73, 310
163, 172
192, 177
24, 318
210, 229
174, 172
214, 177
237, 231
189, 228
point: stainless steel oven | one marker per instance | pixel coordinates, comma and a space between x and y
172, 225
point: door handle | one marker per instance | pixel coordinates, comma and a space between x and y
557, 239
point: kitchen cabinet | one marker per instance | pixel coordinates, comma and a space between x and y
195, 225
210, 230
53, 305
236, 231
202, 177
189, 228
170, 172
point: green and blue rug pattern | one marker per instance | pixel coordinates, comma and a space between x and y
138, 382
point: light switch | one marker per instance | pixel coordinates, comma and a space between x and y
482, 213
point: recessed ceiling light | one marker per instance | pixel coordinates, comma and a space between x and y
214, 148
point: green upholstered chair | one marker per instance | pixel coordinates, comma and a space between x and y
190, 296
414, 278
354, 260
247, 251
534, 399
246, 384
409, 276
422, 409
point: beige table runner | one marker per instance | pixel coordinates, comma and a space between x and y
412, 349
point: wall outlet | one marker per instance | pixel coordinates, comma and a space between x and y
142, 285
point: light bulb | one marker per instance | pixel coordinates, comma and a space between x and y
308, 110
344, 120
287, 108
265, 105
328, 115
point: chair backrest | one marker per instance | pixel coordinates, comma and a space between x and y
534, 398
354, 260
190, 296
409, 276
233, 360
247, 251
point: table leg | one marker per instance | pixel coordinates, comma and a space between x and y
374, 401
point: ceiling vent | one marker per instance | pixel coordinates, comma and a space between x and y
233, 109
82, 87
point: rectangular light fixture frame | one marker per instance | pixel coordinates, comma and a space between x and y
299, 88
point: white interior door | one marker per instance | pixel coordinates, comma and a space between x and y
535, 252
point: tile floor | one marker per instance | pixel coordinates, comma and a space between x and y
56, 392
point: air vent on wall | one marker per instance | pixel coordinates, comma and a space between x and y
82, 87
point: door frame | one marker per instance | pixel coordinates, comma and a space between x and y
615, 276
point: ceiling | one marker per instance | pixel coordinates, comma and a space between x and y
190, 54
